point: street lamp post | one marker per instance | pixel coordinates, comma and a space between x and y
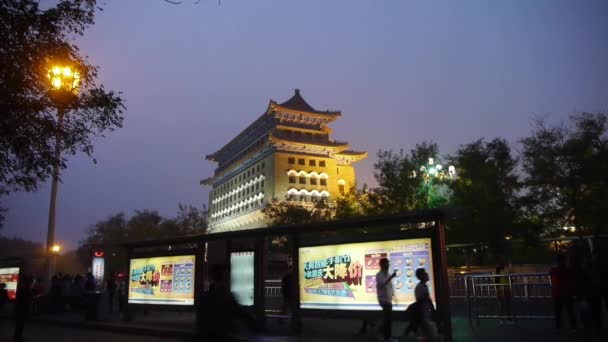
63, 89
432, 171
55, 249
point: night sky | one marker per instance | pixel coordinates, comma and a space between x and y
401, 72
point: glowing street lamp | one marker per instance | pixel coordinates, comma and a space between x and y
64, 82
55, 249
432, 171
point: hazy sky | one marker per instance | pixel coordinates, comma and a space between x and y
401, 72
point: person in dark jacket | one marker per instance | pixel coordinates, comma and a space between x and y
22, 307
562, 291
218, 309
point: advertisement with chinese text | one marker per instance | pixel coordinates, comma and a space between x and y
343, 277
165, 280
10, 276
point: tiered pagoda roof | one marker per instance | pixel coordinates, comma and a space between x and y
291, 124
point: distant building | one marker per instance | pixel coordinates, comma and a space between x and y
285, 154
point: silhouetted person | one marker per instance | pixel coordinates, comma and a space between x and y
218, 309
56, 292
562, 292
111, 288
122, 293
595, 272
3, 296
426, 326
89, 284
22, 306
287, 290
503, 294
38, 292
384, 291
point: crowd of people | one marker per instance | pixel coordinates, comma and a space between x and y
577, 289
65, 293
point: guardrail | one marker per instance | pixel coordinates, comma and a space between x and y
508, 296
272, 288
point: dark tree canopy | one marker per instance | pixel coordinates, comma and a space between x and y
281, 213
487, 186
31, 39
566, 169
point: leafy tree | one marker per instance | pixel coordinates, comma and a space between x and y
487, 185
565, 173
358, 203
191, 220
30, 39
286, 213
143, 225
400, 183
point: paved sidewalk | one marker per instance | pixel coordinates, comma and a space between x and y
182, 326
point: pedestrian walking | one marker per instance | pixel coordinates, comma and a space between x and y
384, 291
503, 294
427, 328
562, 292
111, 288
22, 307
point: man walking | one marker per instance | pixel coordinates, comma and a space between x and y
425, 307
384, 290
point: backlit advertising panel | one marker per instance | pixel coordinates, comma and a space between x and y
343, 277
167, 280
10, 276
242, 277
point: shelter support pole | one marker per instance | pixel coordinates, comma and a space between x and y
296, 315
127, 316
199, 275
444, 291
259, 281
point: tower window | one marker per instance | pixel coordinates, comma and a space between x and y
322, 163
313, 181
292, 179
291, 160
301, 161
341, 188
302, 180
323, 182
312, 162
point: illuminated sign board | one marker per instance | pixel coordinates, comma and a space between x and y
343, 277
10, 276
241, 277
98, 270
167, 280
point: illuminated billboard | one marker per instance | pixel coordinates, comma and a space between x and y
343, 277
241, 277
167, 280
10, 276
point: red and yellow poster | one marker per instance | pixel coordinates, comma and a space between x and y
165, 280
10, 276
343, 277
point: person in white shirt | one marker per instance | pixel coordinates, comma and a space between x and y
427, 327
384, 290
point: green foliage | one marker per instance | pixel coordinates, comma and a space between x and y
566, 168
487, 185
359, 203
401, 184
287, 213
30, 40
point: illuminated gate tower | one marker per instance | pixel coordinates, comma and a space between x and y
285, 154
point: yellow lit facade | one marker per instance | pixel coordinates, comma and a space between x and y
286, 154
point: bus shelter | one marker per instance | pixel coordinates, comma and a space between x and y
332, 266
